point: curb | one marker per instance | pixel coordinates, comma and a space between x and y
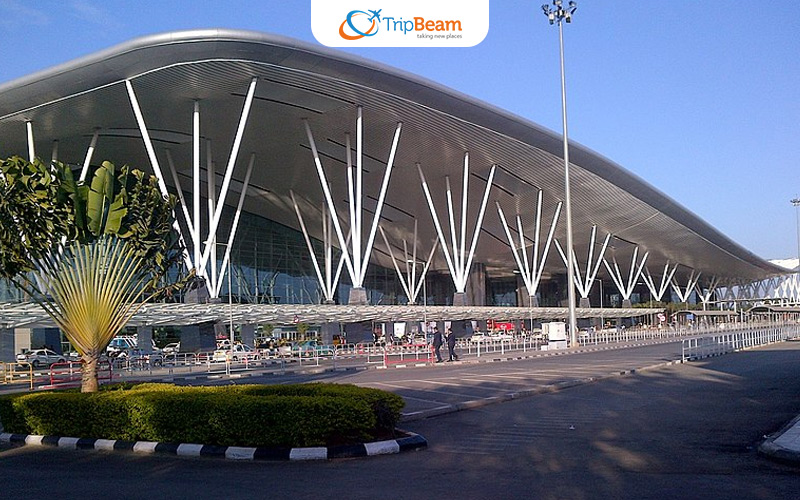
773, 447
412, 442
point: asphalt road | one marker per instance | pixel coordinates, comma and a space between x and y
680, 431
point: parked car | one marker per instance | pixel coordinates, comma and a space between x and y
285, 349
240, 352
138, 356
479, 337
120, 343
40, 357
173, 348
501, 335
309, 348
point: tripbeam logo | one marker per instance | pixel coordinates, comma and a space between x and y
372, 29
407, 23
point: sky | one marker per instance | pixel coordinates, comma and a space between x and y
699, 99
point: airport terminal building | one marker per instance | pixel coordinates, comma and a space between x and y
310, 180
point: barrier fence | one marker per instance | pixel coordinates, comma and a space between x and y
718, 344
703, 342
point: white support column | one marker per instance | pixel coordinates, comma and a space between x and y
683, 294
237, 142
584, 286
148, 144
89, 152
405, 281
331, 206
224, 268
381, 200
666, 278
357, 257
410, 282
186, 217
626, 288
54, 154
31, 147
436, 223
459, 262
330, 281
151, 153
322, 282
211, 239
421, 281
705, 295
531, 272
198, 251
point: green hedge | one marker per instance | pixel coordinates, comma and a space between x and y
241, 415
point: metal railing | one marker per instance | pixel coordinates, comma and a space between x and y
18, 372
723, 343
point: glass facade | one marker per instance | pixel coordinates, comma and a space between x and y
270, 264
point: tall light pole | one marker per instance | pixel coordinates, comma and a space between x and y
796, 203
556, 14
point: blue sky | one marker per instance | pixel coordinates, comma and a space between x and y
700, 99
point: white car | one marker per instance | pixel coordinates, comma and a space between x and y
40, 357
502, 335
479, 337
173, 348
121, 343
240, 352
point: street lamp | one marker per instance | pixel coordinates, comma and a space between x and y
557, 14
796, 203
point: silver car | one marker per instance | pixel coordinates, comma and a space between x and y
40, 357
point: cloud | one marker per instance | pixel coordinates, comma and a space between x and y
14, 13
94, 14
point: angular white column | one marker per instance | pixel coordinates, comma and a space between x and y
666, 278
459, 261
151, 154
626, 288
356, 256
584, 285
198, 251
31, 147
684, 293
54, 154
410, 281
89, 152
234, 226
177, 181
707, 293
211, 239
330, 281
530, 270
226, 181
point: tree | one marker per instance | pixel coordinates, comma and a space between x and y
90, 254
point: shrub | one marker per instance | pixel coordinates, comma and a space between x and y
243, 415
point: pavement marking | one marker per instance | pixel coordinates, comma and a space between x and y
446, 393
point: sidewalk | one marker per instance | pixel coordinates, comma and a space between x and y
784, 445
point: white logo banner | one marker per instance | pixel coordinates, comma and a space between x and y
406, 23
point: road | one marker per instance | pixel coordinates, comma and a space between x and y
679, 431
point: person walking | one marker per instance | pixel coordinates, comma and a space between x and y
451, 345
437, 343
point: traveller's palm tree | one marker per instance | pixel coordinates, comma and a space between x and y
93, 254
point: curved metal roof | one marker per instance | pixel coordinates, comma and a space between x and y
297, 81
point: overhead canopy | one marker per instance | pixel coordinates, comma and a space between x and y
297, 81
31, 315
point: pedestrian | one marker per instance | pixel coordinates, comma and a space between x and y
451, 345
437, 343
